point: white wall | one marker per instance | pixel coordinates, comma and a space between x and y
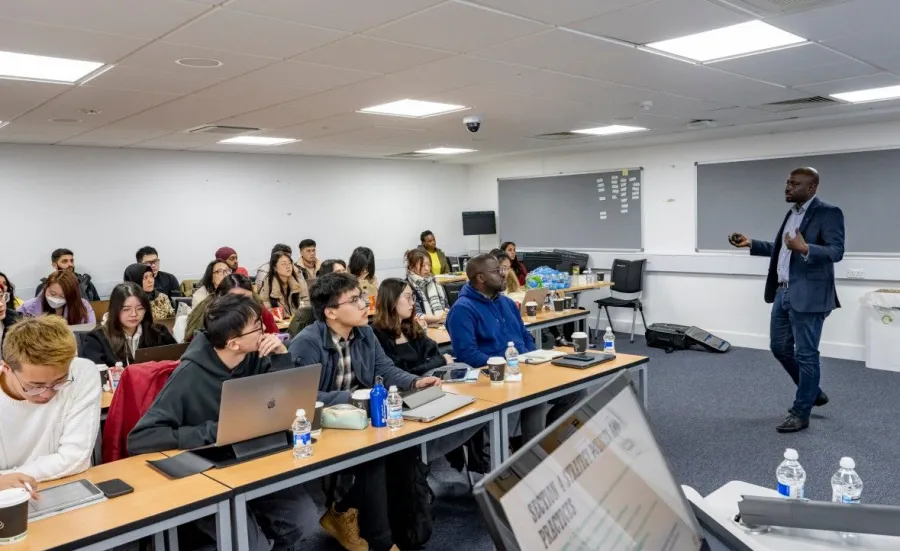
720, 292
106, 203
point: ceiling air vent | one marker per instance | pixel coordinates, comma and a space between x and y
780, 7
559, 136
795, 104
230, 130
408, 155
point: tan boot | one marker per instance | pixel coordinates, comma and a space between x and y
344, 527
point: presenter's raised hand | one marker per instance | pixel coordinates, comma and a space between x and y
739, 240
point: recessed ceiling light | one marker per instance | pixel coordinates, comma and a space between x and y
413, 108
38, 67
445, 151
65, 121
736, 40
90, 111
872, 94
610, 130
3, 123
199, 62
257, 140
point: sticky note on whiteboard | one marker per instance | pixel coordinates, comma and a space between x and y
624, 173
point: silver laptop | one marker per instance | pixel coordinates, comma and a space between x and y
430, 403
534, 295
266, 404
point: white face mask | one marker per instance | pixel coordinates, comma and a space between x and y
55, 302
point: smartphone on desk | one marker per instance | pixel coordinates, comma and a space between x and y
114, 488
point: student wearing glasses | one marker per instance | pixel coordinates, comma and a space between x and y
128, 327
351, 358
166, 283
229, 256
49, 404
60, 296
13, 302
8, 316
283, 288
142, 276
185, 414
216, 271
234, 284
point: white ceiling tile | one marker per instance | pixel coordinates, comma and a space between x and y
859, 17
37, 39
309, 77
247, 94
661, 20
852, 84
741, 115
888, 62
329, 126
179, 141
780, 61
449, 73
112, 137
557, 50
546, 84
111, 104
823, 73
346, 15
246, 33
558, 12
371, 54
19, 96
867, 46
36, 133
161, 56
439, 27
176, 82
135, 18
175, 116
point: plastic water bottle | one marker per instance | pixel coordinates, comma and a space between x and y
378, 403
394, 409
609, 341
302, 439
791, 476
846, 486
513, 372
115, 373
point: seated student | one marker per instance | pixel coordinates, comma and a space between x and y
229, 256
263, 271
185, 414
64, 260
510, 282
482, 322
8, 316
166, 283
342, 341
334, 265
61, 297
142, 275
215, 272
309, 263
283, 287
14, 302
128, 327
518, 267
401, 337
235, 284
362, 265
439, 263
431, 298
49, 402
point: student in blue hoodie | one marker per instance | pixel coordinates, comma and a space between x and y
482, 322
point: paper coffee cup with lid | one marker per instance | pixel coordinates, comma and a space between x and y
13, 515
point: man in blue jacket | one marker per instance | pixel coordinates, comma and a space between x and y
342, 341
800, 287
482, 323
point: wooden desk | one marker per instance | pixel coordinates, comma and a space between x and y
105, 400
157, 506
585, 287
544, 319
439, 335
449, 278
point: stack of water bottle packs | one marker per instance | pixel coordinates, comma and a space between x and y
548, 278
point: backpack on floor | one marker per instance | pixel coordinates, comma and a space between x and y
409, 502
671, 337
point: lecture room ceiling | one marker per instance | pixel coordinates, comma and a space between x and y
301, 69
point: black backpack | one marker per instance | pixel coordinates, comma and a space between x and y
671, 337
409, 502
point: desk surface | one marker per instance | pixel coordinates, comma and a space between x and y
440, 335
155, 498
332, 445
541, 378
450, 278
105, 400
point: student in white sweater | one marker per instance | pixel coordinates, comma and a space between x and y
49, 404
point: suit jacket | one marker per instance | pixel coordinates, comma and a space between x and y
811, 282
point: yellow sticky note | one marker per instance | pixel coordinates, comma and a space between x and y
624, 173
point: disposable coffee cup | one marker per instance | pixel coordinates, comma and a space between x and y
570, 302
360, 399
317, 419
531, 309
580, 342
13, 515
104, 374
497, 370
559, 304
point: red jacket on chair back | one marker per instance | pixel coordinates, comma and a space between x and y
138, 387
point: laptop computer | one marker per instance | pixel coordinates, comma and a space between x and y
534, 295
595, 479
584, 360
160, 353
430, 403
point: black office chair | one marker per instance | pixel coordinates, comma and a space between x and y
452, 290
627, 278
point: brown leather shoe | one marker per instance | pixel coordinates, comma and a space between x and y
344, 527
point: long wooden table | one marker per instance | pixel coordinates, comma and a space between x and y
543, 320
155, 508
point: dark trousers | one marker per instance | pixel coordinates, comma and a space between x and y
536, 418
794, 340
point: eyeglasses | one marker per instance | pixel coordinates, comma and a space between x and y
151, 262
259, 327
504, 270
409, 297
4, 297
38, 390
222, 272
139, 310
360, 300
497, 271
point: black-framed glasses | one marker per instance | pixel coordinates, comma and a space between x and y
4, 297
38, 390
222, 272
360, 300
257, 329
151, 263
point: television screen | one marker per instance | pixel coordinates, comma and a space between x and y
479, 223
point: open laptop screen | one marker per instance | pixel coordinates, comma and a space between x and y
594, 480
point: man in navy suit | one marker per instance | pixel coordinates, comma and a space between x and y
800, 287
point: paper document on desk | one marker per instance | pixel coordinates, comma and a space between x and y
540, 356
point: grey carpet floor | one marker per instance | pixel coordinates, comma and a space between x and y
715, 417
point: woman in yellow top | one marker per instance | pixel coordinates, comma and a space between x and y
362, 265
14, 302
439, 262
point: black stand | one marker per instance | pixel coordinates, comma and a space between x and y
239, 452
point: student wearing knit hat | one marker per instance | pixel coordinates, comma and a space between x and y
229, 256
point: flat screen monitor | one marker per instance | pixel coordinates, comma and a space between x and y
481, 222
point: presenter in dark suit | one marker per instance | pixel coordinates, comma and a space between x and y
800, 287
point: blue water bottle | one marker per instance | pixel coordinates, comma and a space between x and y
378, 403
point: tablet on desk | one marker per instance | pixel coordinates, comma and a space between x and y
62, 498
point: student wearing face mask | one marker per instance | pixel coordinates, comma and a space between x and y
64, 260
128, 327
142, 276
185, 414
62, 297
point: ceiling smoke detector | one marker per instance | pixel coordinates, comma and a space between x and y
199, 62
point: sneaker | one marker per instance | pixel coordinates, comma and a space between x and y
344, 527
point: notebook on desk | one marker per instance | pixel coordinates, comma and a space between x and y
430, 403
